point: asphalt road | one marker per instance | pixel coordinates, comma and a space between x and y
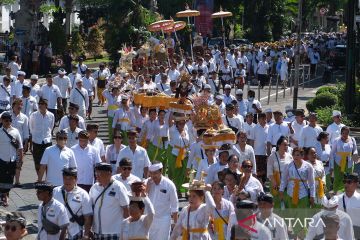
24, 199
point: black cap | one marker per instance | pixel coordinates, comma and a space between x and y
230, 106
69, 172
103, 167
245, 204
44, 186
74, 105
351, 176
6, 115
265, 197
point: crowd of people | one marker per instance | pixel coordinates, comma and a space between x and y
240, 166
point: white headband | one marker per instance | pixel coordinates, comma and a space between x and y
155, 167
330, 203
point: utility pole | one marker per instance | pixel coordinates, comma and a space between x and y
350, 58
297, 56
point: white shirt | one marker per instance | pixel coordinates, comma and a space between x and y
276, 131
89, 85
41, 133
306, 171
79, 202
55, 213
99, 146
250, 106
14, 68
51, 94
309, 136
263, 68
63, 84
277, 164
17, 89
122, 119
8, 153
21, 123
259, 135
334, 131
5, 97
203, 167
247, 154
243, 107
139, 159
297, 131
29, 105
352, 205
138, 229
72, 136
248, 128
228, 99
86, 159
128, 181
111, 154
173, 75
237, 121
56, 160
81, 99
64, 122
276, 225
108, 216
164, 198
213, 170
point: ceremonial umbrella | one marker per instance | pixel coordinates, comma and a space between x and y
222, 14
160, 26
188, 13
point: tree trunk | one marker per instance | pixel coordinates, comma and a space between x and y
68, 10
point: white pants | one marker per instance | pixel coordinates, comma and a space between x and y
160, 229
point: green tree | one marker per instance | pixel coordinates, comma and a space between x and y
77, 44
95, 42
57, 37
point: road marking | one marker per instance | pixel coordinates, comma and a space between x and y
289, 88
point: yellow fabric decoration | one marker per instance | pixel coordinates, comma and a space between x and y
296, 190
124, 120
181, 156
343, 156
276, 176
219, 227
320, 190
113, 107
185, 232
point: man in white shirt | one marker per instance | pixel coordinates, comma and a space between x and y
228, 97
9, 75
235, 122
163, 85
110, 202
41, 133
29, 102
276, 130
5, 94
50, 210
124, 174
214, 169
14, 66
96, 142
77, 203
52, 94
173, 73
297, 127
335, 128
79, 96
162, 194
269, 116
16, 90
35, 88
64, 85
86, 157
254, 106
309, 133
258, 138
136, 154
242, 103
72, 131
262, 71
89, 85
55, 158
249, 125
73, 110
349, 201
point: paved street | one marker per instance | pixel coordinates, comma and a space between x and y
25, 200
